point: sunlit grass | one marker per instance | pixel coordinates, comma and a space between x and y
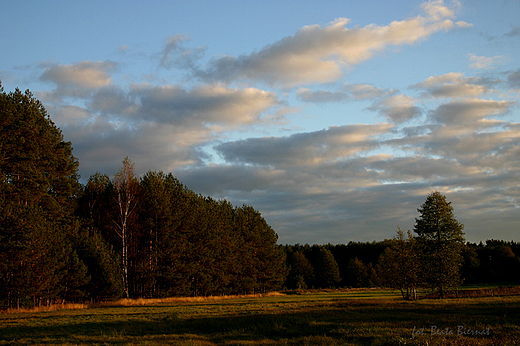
313, 318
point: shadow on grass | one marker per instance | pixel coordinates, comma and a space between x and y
342, 322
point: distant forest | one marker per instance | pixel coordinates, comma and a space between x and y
357, 264
151, 236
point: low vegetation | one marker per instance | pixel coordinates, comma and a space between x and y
348, 317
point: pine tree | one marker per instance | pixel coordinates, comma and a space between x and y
38, 186
301, 273
326, 269
440, 240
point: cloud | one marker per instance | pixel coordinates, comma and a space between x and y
367, 91
346, 93
484, 62
468, 113
85, 74
515, 31
175, 55
205, 105
398, 108
514, 79
452, 85
334, 143
321, 96
317, 54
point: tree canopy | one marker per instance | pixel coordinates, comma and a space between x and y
440, 240
38, 187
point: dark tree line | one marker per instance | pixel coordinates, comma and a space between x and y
392, 263
114, 236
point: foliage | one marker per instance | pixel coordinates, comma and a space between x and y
301, 272
178, 243
398, 265
38, 186
440, 241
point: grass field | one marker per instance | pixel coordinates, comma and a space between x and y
317, 318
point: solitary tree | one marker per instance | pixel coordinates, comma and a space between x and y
440, 240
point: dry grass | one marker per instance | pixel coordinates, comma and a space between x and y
134, 302
322, 318
154, 301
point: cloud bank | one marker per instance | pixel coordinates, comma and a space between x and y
230, 128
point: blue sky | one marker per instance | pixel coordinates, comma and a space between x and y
335, 119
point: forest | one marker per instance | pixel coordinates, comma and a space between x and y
151, 236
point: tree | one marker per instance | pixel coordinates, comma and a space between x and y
301, 272
262, 261
38, 186
440, 240
326, 269
398, 266
126, 187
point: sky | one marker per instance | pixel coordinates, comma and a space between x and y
334, 119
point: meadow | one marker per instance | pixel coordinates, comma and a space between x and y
353, 317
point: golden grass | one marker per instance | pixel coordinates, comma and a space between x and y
134, 302
151, 301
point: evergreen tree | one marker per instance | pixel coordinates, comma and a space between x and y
326, 269
262, 261
38, 186
301, 272
440, 240
106, 281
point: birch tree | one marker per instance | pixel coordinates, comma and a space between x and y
126, 187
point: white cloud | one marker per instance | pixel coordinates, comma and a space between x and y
85, 74
318, 54
206, 105
485, 62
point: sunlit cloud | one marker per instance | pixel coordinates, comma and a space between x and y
85, 74
334, 143
452, 85
317, 54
